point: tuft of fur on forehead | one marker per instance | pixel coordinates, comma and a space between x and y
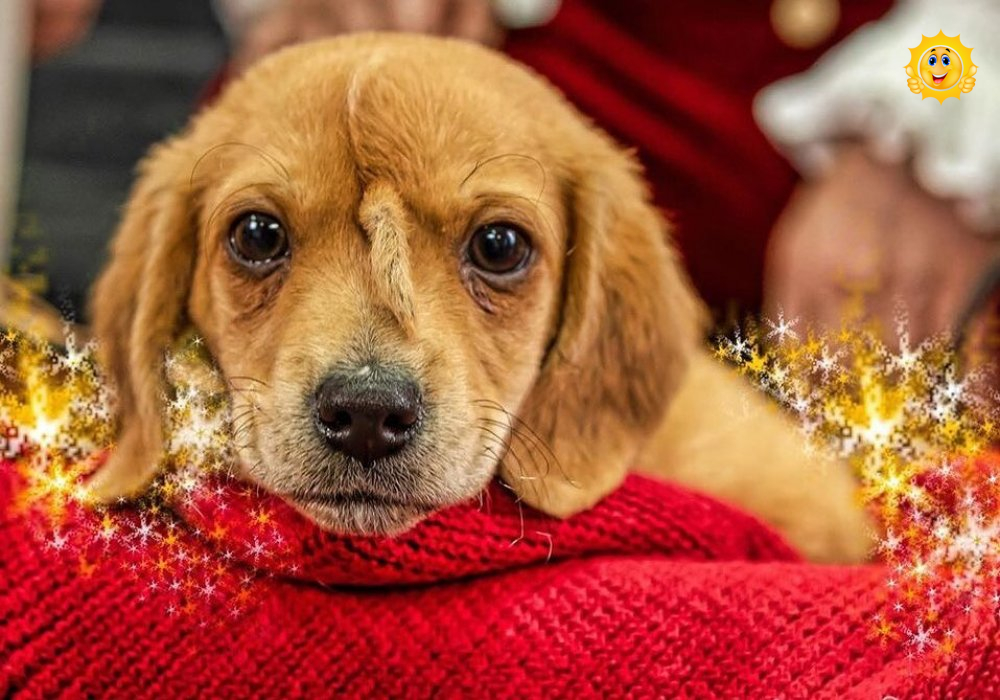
383, 217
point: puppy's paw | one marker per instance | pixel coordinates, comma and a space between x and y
131, 467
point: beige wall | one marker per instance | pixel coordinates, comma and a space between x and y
13, 83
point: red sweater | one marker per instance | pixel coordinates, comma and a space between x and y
656, 592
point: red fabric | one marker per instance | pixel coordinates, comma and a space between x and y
656, 592
676, 80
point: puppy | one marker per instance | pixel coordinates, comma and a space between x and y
431, 269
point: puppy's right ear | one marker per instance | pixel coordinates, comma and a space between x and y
137, 307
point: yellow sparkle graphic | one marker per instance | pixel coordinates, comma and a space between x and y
941, 67
917, 433
56, 423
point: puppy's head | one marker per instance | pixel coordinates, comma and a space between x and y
419, 266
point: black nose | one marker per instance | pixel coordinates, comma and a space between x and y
366, 415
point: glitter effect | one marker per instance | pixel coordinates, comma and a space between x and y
916, 433
56, 425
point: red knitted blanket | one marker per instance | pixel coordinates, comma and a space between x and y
656, 592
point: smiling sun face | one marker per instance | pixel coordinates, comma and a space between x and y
940, 68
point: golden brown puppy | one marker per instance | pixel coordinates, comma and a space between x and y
433, 269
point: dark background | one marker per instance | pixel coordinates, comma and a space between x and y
92, 113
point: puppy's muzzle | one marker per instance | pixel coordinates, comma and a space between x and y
368, 414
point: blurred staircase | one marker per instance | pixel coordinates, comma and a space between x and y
92, 114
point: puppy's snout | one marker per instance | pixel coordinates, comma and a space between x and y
368, 417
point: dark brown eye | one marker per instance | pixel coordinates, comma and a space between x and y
499, 249
258, 240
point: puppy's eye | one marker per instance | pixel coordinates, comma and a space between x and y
499, 249
258, 239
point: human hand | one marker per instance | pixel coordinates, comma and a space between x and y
293, 21
867, 233
855, 92
58, 24
913, 82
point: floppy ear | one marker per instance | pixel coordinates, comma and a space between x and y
137, 308
630, 322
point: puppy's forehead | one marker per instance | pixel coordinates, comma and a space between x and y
405, 122
405, 109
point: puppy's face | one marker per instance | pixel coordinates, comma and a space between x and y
415, 266
384, 273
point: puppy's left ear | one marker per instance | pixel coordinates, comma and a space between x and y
630, 322
137, 308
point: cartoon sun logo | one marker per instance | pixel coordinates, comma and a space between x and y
941, 67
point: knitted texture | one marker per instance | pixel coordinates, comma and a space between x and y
656, 592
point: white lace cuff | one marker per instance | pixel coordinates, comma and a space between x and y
858, 90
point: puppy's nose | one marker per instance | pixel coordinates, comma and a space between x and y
367, 417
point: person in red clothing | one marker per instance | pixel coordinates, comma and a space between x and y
678, 80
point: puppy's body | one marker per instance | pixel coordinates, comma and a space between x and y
723, 437
417, 265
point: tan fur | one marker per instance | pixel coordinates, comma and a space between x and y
723, 437
384, 220
382, 154
142, 297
